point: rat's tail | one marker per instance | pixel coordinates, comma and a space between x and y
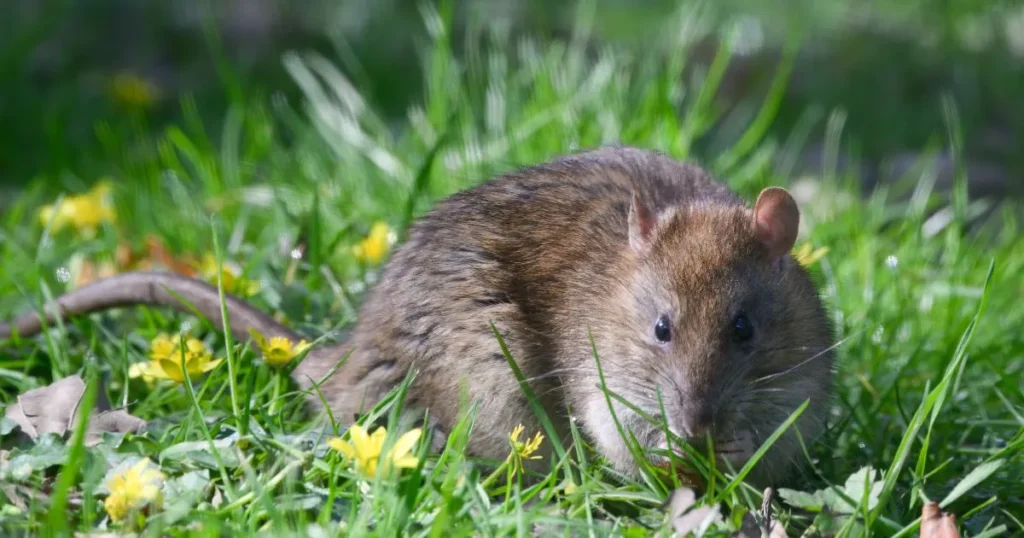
157, 289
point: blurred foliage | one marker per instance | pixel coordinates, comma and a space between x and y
888, 63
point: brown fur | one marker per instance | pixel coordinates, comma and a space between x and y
547, 255
544, 254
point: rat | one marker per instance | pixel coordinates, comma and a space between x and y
690, 299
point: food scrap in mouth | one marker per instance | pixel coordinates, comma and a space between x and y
686, 474
676, 462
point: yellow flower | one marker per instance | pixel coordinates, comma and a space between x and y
165, 360
375, 246
86, 212
162, 347
278, 351
133, 490
230, 278
133, 91
141, 370
806, 255
365, 450
522, 451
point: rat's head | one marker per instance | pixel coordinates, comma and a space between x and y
722, 326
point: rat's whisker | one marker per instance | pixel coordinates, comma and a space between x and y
810, 359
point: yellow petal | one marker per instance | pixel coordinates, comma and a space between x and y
151, 369
342, 446
370, 468
116, 482
360, 440
140, 466
277, 357
137, 369
172, 370
377, 440
806, 254
149, 492
46, 213
375, 245
405, 443
193, 360
282, 343
161, 347
116, 507
261, 341
534, 443
516, 432
195, 345
210, 365
407, 462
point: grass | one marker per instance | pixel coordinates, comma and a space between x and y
929, 391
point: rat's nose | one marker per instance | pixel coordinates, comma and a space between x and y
697, 420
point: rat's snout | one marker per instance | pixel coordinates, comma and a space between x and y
695, 419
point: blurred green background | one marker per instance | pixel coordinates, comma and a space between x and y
888, 64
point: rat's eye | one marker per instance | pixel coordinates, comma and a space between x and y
662, 330
742, 328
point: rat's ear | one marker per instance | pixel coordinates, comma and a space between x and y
776, 221
642, 222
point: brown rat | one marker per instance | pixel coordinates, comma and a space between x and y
688, 293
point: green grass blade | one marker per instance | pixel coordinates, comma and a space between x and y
932, 401
538, 409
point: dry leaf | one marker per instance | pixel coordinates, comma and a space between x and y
11, 493
681, 500
158, 252
937, 524
90, 271
54, 409
48, 409
153, 254
124, 256
114, 421
686, 518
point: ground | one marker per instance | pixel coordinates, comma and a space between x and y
924, 293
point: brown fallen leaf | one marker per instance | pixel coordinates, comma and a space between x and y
937, 524
113, 421
154, 254
11, 493
89, 271
55, 409
158, 252
48, 409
